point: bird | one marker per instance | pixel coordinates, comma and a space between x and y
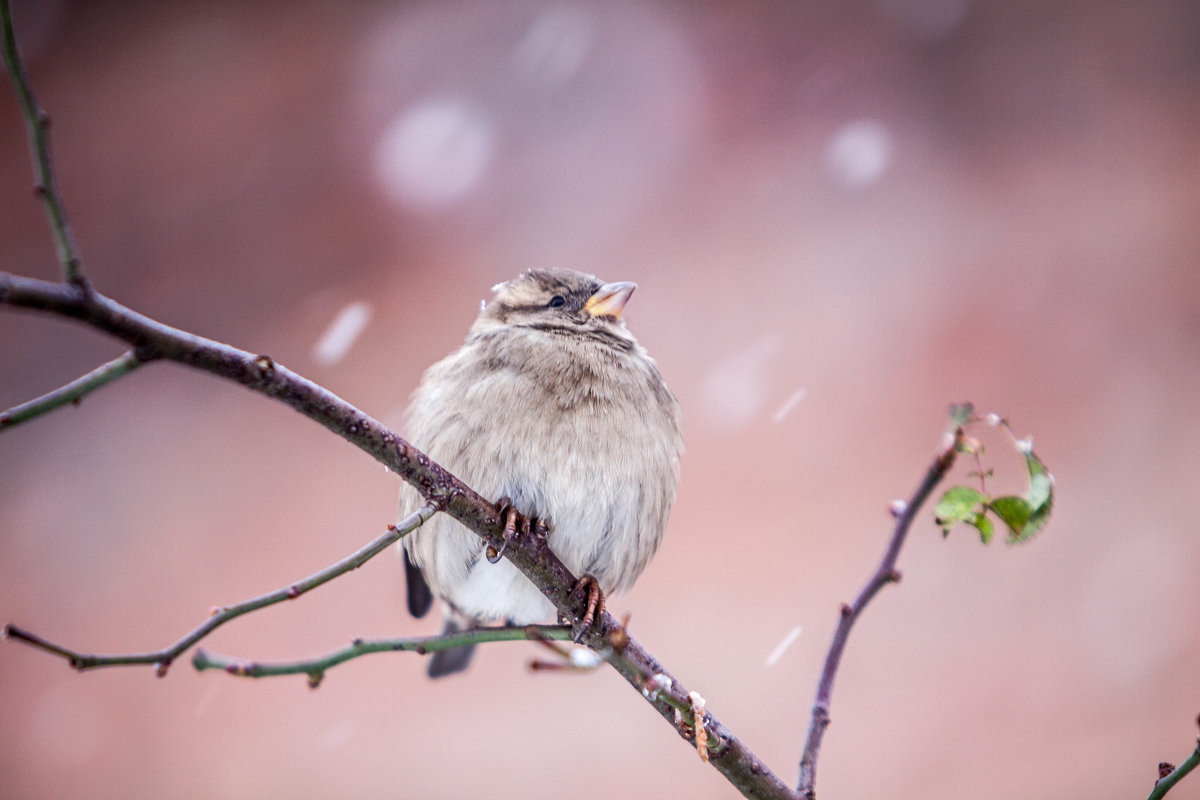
552, 408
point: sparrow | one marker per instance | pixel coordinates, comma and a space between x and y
552, 407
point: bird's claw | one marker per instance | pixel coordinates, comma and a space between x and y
595, 604
515, 523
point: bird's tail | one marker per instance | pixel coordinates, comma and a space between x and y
448, 662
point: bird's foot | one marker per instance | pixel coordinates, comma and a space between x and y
595, 604
515, 524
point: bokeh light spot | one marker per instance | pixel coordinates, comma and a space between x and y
433, 153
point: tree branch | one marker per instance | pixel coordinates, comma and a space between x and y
884, 574
37, 125
162, 659
73, 392
315, 668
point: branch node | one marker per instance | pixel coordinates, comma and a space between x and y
265, 366
160, 669
314, 679
146, 352
78, 279
618, 638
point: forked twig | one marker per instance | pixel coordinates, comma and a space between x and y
884, 574
37, 125
72, 392
315, 668
162, 659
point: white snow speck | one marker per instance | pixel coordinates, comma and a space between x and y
789, 404
341, 334
782, 647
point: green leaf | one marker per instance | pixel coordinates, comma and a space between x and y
958, 504
984, 525
1014, 512
1041, 482
1040, 499
960, 413
1037, 520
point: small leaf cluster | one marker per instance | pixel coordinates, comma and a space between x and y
1023, 515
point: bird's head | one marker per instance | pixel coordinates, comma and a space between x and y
558, 301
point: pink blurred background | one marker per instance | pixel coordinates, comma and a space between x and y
841, 217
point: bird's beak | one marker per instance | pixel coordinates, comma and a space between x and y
610, 299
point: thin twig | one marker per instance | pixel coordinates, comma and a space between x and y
162, 659
73, 392
315, 668
1164, 784
884, 574
37, 125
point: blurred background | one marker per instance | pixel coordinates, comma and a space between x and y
841, 217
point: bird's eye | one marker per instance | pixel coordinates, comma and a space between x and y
558, 301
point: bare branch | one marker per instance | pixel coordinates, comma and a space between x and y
162, 659
315, 668
73, 392
37, 125
884, 574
